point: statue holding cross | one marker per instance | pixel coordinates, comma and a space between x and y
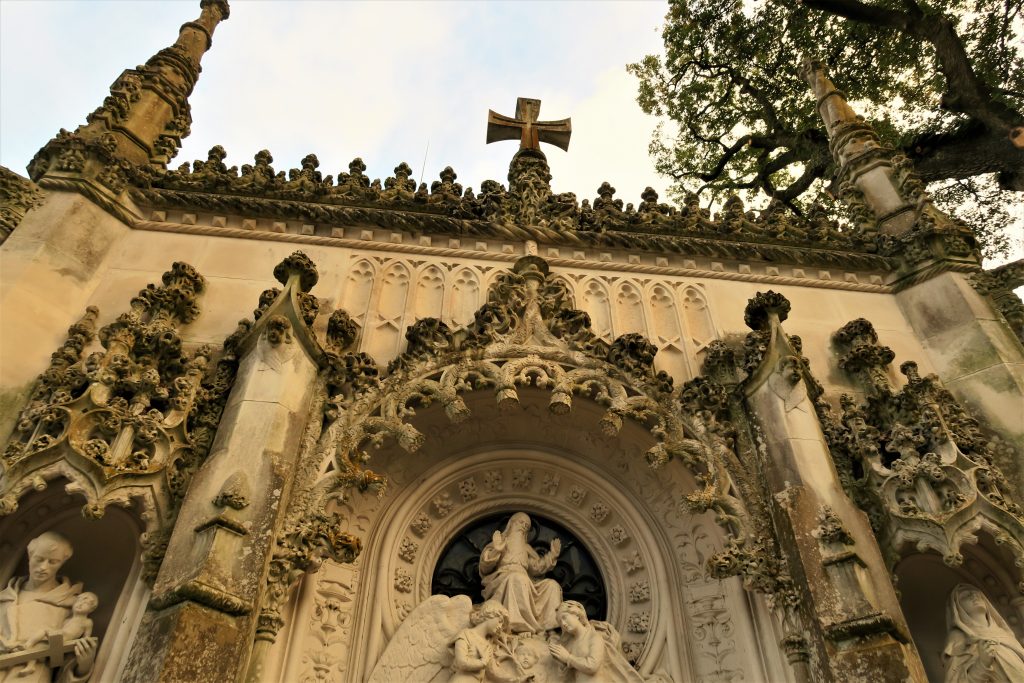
526, 128
44, 624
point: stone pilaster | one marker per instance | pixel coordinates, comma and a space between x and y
857, 628
209, 588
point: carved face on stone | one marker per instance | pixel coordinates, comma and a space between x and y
519, 523
46, 555
572, 617
974, 603
570, 623
85, 603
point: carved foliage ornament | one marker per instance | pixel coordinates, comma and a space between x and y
17, 196
922, 467
526, 334
527, 202
133, 418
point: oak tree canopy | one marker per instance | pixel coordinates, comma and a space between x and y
942, 82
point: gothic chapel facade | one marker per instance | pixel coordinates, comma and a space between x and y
268, 426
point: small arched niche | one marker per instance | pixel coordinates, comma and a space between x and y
106, 561
577, 572
925, 583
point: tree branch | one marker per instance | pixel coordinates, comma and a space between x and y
966, 93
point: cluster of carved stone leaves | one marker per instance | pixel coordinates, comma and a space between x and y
495, 203
926, 472
127, 401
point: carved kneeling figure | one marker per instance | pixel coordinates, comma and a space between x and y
980, 647
447, 639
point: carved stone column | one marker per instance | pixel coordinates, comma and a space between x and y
976, 354
858, 630
205, 599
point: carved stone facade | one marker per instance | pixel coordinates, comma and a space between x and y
264, 407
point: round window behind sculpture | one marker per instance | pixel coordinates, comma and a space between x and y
458, 569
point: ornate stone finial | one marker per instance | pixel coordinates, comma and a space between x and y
341, 330
527, 128
532, 266
297, 264
832, 105
762, 307
147, 113
867, 171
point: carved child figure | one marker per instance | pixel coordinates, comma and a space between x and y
78, 625
473, 648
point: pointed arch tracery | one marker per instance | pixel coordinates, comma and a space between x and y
465, 296
384, 324
597, 303
428, 299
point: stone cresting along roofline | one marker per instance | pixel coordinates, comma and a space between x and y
526, 210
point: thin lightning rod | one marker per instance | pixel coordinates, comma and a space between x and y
423, 168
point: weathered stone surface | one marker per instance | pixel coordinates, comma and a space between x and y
299, 462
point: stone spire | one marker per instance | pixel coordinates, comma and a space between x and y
867, 174
147, 113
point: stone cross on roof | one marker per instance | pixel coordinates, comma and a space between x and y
527, 128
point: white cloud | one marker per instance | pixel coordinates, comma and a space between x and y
345, 79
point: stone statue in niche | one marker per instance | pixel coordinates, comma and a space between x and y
512, 571
44, 620
449, 640
980, 647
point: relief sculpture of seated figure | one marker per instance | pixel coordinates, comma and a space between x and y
42, 611
513, 573
523, 632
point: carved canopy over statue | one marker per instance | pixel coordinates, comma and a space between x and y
980, 647
523, 631
44, 620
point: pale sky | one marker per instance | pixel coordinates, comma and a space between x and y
378, 80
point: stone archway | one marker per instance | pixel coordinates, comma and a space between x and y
651, 552
528, 350
107, 561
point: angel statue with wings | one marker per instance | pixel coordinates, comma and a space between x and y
448, 640
522, 633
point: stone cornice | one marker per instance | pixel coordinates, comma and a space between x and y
429, 221
370, 245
